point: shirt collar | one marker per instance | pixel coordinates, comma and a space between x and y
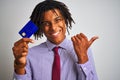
63, 44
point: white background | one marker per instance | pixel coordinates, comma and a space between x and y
92, 17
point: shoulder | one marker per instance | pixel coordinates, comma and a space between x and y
38, 48
42, 45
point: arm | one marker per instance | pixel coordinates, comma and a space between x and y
26, 76
81, 46
87, 70
20, 51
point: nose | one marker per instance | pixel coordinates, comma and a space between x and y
53, 26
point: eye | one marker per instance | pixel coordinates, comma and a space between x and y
58, 19
45, 23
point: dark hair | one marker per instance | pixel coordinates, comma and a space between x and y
41, 8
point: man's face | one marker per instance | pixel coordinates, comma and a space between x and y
54, 26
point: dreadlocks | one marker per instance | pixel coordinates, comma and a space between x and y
41, 8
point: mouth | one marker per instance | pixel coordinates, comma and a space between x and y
56, 33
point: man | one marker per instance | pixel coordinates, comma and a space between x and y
74, 56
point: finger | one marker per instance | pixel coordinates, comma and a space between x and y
83, 36
79, 36
27, 40
77, 40
18, 51
14, 50
24, 44
20, 48
24, 49
23, 54
93, 39
73, 40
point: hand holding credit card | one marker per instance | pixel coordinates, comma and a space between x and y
29, 29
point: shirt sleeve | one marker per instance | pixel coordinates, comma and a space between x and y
26, 76
87, 70
19, 77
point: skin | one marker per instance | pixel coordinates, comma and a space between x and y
54, 28
81, 45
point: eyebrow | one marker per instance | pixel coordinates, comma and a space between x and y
58, 17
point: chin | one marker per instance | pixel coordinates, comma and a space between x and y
56, 41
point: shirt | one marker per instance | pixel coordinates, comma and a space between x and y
40, 60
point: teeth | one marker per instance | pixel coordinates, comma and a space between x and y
56, 33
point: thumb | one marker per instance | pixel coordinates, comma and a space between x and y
27, 40
92, 40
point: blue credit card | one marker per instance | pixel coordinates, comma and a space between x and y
29, 29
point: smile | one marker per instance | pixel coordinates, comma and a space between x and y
56, 34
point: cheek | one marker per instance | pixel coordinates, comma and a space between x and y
45, 30
63, 25
64, 28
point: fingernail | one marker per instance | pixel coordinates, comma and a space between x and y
32, 41
97, 37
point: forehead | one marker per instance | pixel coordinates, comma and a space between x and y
51, 13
